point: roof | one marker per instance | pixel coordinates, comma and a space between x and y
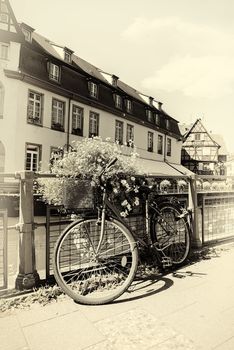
161, 168
48, 46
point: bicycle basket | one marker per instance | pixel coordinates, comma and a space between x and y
78, 194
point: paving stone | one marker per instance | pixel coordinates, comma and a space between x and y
11, 335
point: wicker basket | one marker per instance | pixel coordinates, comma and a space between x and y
78, 194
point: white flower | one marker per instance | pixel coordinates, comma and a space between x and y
133, 178
124, 182
124, 203
136, 202
115, 190
123, 214
129, 207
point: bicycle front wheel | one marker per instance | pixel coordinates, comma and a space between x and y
171, 233
94, 273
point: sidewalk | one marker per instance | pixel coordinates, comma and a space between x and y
190, 309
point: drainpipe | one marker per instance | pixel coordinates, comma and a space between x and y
68, 124
165, 139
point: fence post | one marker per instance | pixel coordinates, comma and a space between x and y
196, 240
27, 277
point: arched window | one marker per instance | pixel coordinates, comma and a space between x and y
2, 93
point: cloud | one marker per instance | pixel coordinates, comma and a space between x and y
196, 60
206, 77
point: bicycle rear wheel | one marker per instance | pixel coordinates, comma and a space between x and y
95, 277
171, 233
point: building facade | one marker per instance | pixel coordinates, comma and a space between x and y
203, 153
50, 97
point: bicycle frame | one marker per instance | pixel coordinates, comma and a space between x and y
107, 204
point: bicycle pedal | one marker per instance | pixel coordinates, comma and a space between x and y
166, 262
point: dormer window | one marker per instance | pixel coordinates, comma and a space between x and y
27, 31
118, 101
27, 35
167, 124
93, 89
115, 80
149, 115
129, 106
54, 72
68, 55
157, 119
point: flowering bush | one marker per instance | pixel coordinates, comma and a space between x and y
86, 160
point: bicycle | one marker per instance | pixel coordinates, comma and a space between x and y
96, 259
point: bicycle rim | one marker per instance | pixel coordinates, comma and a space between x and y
91, 277
172, 234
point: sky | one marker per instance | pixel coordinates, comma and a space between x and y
181, 52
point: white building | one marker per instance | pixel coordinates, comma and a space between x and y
49, 97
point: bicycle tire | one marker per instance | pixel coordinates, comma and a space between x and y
90, 279
174, 246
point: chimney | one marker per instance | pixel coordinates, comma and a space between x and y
160, 106
151, 99
114, 80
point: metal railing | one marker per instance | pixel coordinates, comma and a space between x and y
212, 219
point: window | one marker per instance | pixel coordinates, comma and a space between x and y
33, 153
157, 119
128, 106
77, 120
149, 115
93, 124
54, 72
197, 137
67, 56
160, 144
4, 51
169, 147
150, 141
93, 89
58, 108
168, 124
130, 135
34, 107
27, 35
118, 101
119, 132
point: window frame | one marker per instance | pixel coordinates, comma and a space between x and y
78, 130
150, 141
169, 147
53, 75
38, 153
157, 119
160, 144
55, 124
34, 119
119, 127
128, 104
149, 115
130, 140
92, 120
118, 101
93, 89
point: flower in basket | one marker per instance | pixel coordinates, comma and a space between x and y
85, 161
164, 185
181, 184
